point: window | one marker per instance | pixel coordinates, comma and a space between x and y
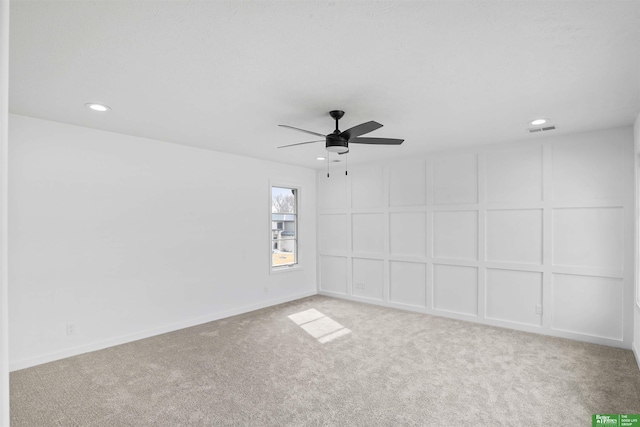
284, 227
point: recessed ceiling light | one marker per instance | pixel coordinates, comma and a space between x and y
97, 107
538, 122
321, 158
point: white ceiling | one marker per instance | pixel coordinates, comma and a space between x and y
222, 74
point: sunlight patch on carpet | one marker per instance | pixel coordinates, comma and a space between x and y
319, 326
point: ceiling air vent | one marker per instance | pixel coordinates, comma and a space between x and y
534, 130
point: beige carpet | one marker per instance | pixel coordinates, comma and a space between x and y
381, 367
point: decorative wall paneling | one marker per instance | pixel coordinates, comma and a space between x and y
535, 236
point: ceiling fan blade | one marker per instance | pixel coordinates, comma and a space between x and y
361, 129
300, 143
302, 130
382, 141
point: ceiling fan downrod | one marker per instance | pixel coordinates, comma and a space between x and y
337, 115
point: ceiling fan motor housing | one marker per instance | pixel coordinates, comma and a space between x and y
337, 144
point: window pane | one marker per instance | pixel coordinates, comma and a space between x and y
283, 252
284, 227
283, 200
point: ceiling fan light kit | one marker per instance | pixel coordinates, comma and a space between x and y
336, 145
338, 142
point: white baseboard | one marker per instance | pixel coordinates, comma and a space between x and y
123, 339
487, 321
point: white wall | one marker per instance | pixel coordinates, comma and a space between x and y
126, 237
636, 312
4, 124
488, 234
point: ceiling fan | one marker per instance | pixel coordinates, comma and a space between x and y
338, 142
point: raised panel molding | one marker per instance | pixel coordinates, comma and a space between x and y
455, 235
408, 283
531, 236
513, 295
588, 169
514, 175
407, 233
368, 278
588, 237
366, 233
588, 305
514, 236
455, 289
332, 192
333, 233
455, 179
407, 184
333, 274
366, 187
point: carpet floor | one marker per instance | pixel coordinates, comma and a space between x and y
333, 362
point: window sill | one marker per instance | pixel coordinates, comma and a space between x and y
285, 269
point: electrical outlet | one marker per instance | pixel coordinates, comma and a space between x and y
359, 285
71, 329
266, 290
538, 309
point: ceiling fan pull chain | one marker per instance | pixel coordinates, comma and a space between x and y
346, 165
328, 155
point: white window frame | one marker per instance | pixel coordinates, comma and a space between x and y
298, 265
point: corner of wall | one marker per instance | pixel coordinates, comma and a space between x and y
635, 345
4, 119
